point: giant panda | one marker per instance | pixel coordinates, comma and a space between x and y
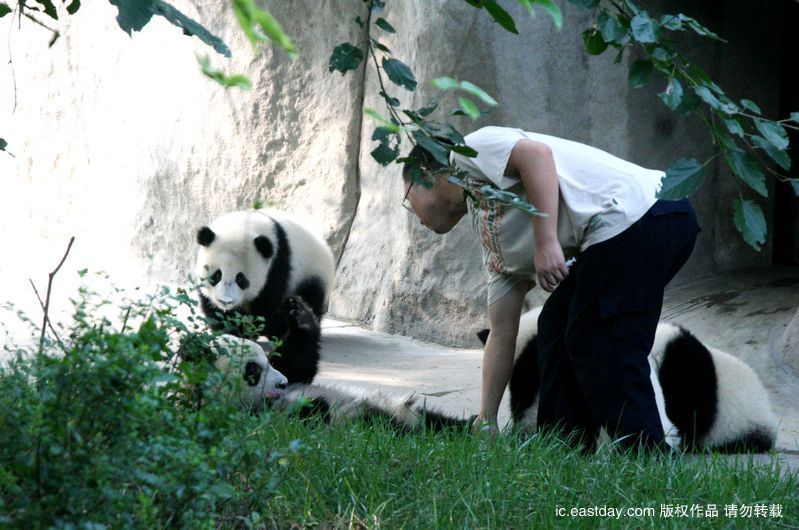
706, 398
247, 376
260, 263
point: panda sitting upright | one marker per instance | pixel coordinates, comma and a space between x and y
266, 263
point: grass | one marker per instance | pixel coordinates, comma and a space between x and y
359, 476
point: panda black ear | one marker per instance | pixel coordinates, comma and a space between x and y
483, 335
264, 246
205, 236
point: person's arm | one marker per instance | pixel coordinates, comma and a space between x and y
533, 163
503, 317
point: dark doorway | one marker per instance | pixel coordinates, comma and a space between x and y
786, 196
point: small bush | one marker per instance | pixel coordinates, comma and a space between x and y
108, 428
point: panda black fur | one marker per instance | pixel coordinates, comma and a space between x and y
706, 398
253, 263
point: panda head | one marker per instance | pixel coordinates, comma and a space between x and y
245, 375
236, 252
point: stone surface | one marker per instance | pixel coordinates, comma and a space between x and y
121, 141
790, 344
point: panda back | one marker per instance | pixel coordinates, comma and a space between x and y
744, 409
310, 257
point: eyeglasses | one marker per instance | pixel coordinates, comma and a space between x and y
406, 203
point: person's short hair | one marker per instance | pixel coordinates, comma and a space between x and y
420, 157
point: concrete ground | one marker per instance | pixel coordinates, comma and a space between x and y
742, 313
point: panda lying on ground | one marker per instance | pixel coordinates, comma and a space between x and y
253, 381
250, 263
706, 398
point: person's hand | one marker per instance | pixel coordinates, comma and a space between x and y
481, 427
550, 265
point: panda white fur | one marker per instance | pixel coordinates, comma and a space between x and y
258, 263
706, 398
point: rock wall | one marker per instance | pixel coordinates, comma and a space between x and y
123, 143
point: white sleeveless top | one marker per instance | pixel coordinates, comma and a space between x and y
601, 195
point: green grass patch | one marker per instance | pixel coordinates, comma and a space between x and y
367, 476
104, 427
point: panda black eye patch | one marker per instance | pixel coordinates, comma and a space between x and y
252, 373
215, 277
242, 281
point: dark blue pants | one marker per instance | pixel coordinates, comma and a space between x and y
597, 328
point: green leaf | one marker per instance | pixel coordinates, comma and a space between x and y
345, 57
640, 73
689, 103
698, 28
390, 100
478, 92
383, 24
611, 30
133, 14
388, 124
399, 73
750, 105
644, 29
384, 154
795, 117
734, 127
773, 132
237, 80
4, 9
795, 185
190, 27
440, 152
73, 7
528, 5
747, 168
750, 222
780, 156
671, 22
428, 109
3, 144
673, 95
707, 96
445, 83
501, 16
443, 130
49, 8
682, 179
382, 134
260, 26
594, 43
464, 150
469, 108
554, 11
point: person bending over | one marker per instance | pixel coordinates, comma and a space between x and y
598, 324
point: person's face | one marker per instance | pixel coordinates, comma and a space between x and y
438, 208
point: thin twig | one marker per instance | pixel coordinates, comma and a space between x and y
46, 317
49, 322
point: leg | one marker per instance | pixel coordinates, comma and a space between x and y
562, 403
614, 314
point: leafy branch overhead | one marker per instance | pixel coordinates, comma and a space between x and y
751, 145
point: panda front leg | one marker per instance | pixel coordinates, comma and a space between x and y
298, 356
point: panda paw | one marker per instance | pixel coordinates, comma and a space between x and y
300, 315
